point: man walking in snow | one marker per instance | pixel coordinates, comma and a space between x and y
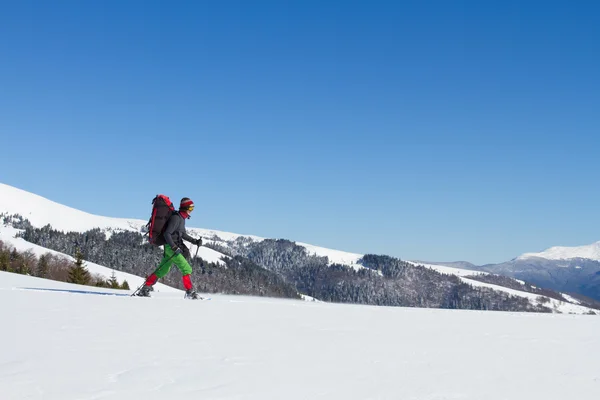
175, 251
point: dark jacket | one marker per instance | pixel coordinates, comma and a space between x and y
175, 232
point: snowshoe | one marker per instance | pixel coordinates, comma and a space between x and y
144, 291
192, 295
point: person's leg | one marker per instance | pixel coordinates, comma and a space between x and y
163, 268
185, 269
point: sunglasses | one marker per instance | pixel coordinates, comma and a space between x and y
191, 208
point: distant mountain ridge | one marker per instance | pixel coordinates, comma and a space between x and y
573, 275
574, 269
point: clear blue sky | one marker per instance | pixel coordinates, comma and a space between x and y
433, 130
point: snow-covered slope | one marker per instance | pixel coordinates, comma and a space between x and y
335, 256
63, 346
449, 270
41, 211
591, 252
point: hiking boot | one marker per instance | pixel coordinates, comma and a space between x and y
192, 295
144, 291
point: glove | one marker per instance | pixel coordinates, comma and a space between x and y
177, 250
198, 242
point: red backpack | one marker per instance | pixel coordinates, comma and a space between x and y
162, 209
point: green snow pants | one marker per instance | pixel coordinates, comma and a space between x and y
167, 262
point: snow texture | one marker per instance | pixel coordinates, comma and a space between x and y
67, 346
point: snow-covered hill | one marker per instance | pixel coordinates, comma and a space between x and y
41, 211
63, 346
590, 252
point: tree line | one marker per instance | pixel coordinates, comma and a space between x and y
55, 267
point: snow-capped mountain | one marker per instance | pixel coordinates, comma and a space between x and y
41, 211
573, 269
589, 252
566, 269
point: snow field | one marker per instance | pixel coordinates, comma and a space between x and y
71, 346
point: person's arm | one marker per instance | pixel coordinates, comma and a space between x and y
187, 237
197, 242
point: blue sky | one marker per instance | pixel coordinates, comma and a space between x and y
430, 130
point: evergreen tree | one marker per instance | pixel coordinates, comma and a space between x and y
4, 260
79, 273
42, 266
112, 282
15, 259
14, 255
125, 285
23, 268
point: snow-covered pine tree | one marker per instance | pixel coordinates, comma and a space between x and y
42, 266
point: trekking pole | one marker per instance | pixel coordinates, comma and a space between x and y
146, 280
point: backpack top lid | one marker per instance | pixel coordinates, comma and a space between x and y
161, 198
